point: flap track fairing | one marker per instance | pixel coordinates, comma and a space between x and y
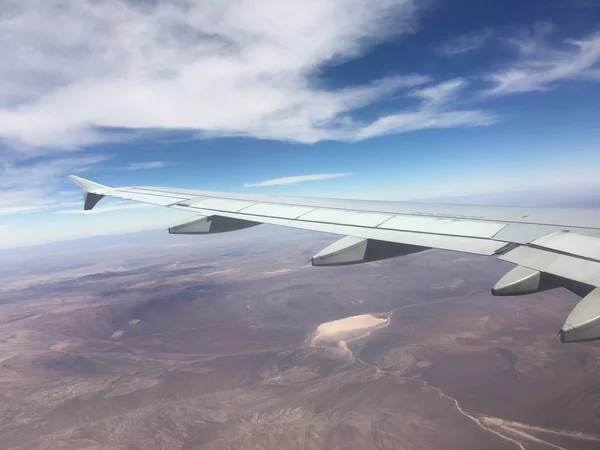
353, 250
583, 324
211, 225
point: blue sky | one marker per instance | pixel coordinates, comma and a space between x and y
377, 99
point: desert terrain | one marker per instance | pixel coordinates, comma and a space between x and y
151, 341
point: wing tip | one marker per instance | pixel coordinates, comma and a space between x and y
91, 191
86, 185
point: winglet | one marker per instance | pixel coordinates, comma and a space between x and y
91, 191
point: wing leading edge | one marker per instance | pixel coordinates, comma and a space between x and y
550, 247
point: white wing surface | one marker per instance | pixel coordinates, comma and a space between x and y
550, 247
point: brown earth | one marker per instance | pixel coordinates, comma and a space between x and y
163, 342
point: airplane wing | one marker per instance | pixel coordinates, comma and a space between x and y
550, 247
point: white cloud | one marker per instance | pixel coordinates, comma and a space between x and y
465, 43
542, 65
440, 94
103, 209
297, 179
435, 111
241, 67
145, 165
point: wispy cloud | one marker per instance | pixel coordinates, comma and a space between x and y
465, 43
542, 65
40, 172
297, 179
103, 209
436, 110
10, 210
145, 165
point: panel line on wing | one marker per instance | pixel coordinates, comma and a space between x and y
455, 243
350, 218
222, 204
137, 191
345, 217
278, 210
312, 223
569, 243
562, 253
444, 226
566, 266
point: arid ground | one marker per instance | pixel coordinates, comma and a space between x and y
151, 341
